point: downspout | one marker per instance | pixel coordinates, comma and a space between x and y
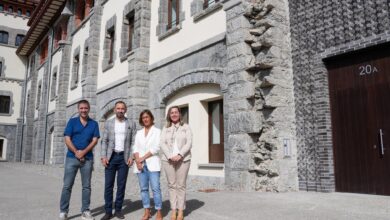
49, 59
23, 104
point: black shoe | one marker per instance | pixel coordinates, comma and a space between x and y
119, 215
107, 216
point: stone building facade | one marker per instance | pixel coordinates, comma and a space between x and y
259, 62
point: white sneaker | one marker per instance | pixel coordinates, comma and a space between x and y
63, 216
86, 215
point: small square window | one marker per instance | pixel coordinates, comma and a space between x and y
5, 102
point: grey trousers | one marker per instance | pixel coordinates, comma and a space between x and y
177, 178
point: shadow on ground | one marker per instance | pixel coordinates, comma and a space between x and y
132, 206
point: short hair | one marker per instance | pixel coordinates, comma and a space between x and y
148, 112
121, 102
168, 118
83, 101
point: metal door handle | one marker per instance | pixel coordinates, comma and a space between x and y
381, 142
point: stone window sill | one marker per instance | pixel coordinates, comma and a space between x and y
5, 114
169, 32
108, 66
130, 53
81, 25
208, 11
212, 166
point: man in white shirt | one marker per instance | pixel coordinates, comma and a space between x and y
118, 136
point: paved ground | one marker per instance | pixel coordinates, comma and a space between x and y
32, 192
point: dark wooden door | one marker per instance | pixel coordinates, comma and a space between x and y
359, 86
216, 141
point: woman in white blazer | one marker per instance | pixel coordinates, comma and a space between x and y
148, 165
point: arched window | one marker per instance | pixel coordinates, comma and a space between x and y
19, 12
1, 7
28, 13
10, 9
3, 37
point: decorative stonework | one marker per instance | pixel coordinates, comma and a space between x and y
110, 27
162, 28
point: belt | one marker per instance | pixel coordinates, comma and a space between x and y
118, 152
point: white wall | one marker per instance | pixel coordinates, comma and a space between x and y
196, 98
190, 34
16, 90
13, 21
56, 61
120, 69
15, 67
78, 40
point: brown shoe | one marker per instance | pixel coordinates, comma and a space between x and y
159, 215
173, 215
147, 215
180, 215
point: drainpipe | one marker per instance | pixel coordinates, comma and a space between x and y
22, 105
48, 77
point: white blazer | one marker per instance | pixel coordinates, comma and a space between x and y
143, 145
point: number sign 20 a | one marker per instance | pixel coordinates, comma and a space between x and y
367, 69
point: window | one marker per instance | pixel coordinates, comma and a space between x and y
208, 3
5, 103
173, 13
1, 7
19, 12
112, 44
131, 33
28, 13
53, 91
39, 95
216, 142
44, 50
80, 12
19, 39
3, 37
75, 70
10, 9
184, 114
1, 147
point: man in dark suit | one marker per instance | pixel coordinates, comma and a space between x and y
118, 137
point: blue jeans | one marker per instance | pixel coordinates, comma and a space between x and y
118, 165
144, 177
72, 165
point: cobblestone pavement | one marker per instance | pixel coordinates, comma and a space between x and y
32, 192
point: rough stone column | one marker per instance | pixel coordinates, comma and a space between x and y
261, 152
18, 140
138, 62
90, 86
30, 110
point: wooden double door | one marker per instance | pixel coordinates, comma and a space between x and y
359, 86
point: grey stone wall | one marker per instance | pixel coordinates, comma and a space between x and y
321, 29
9, 132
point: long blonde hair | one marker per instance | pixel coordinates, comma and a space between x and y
168, 118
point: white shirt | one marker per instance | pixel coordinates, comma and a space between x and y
149, 143
120, 135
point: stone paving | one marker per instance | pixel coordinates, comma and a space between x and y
32, 192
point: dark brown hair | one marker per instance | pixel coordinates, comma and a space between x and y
121, 102
148, 112
83, 101
168, 118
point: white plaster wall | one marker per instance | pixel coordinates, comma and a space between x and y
16, 90
13, 21
196, 98
78, 40
15, 67
190, 34
56, 61
40, 79
120, 69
